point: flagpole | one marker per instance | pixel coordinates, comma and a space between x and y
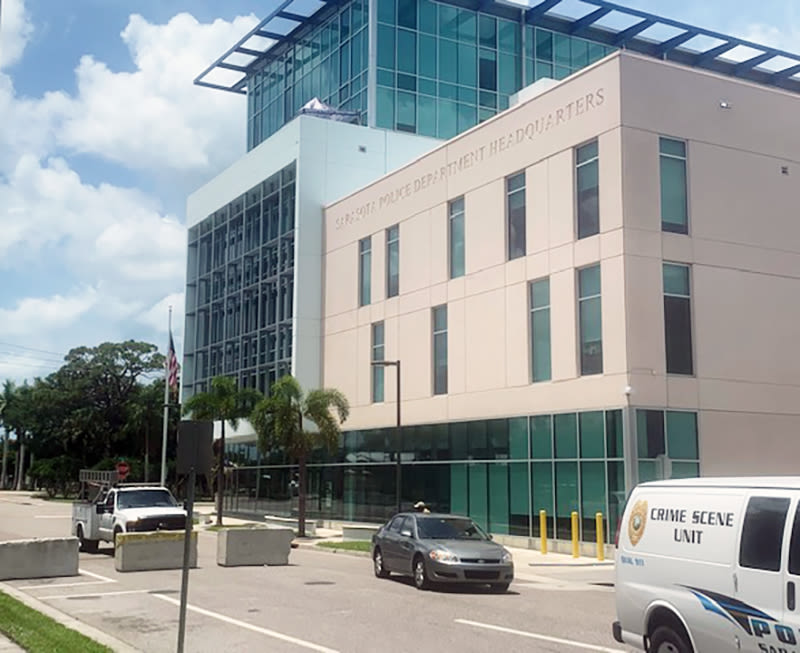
166, 410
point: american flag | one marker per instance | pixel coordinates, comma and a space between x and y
172, 365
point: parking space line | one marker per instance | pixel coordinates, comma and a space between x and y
97, 576
91, 595
544, 638
244, 624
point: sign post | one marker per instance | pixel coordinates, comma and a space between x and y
123, 469
194, 455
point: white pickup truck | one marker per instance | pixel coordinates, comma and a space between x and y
124, 510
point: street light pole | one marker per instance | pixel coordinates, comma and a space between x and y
398, 463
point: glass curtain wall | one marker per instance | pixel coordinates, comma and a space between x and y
501, 472
240, 288
326, 60
443, 69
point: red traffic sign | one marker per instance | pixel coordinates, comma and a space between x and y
122, 470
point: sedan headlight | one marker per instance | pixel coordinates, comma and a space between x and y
507, 557
442, 555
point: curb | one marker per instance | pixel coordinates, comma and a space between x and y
70, 622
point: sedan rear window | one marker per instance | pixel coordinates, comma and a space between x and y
449, 528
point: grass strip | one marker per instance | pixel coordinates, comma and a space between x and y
38, 633
356, 545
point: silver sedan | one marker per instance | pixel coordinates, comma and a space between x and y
440, 548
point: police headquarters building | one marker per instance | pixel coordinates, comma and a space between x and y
577, 234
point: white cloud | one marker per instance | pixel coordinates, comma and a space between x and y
15, 30
40, 314
157, 316
155, 118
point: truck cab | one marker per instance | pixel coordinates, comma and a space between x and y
119, 508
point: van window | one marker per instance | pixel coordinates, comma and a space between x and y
762, 533
794, 545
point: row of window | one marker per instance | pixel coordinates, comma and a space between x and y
677, 329
674, 218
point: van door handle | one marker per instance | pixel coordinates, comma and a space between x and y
790, 598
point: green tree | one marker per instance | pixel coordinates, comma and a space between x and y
18, 416
145, 416
224, 403
278, 421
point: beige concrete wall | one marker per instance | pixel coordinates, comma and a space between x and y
744, 249
488, 333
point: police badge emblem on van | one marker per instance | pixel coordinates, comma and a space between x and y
637, 521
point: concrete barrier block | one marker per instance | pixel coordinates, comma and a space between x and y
254, 546
149, 551
358, 532
39, 558
291, 522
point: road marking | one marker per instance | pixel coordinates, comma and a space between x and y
97, 576
244, 624
53, 585
102, 580
93, 595
544, 638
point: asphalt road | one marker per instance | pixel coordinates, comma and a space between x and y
321, 602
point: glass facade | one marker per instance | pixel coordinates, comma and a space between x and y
587, 189
515, 215
678, 319
674, 201
590, 320
540, 329
501, 472
456, 238
327, 59
443, 69
240, 288
365, 271
667, 444
378, 354
439, 314
393, 261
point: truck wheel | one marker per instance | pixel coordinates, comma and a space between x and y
666, 640
89, 546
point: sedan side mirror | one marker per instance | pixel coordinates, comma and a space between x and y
405, 532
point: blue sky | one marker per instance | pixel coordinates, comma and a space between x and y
103, 135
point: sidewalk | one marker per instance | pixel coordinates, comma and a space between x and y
7, 646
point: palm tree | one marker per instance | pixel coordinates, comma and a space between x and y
8, 391
226, 403
278, 422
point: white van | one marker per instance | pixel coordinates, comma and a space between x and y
710, 565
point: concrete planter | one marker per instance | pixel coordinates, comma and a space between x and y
254, 546
149, 551
39, 558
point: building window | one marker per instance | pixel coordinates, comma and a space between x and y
540, 329
677, 319
674, 205
378, 354
667, 444
393, 261
587, 189
590, 315
364, 270
440, 350
515, 215
456, 237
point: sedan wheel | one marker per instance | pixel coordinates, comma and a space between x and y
420, 574
377, 564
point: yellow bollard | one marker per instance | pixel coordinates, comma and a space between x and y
543, 530
575, 546
601, 545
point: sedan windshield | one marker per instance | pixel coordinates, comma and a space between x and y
449, 528
146, 499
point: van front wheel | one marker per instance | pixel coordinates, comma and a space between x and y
666, 640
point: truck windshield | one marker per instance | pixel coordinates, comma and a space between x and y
146, 499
